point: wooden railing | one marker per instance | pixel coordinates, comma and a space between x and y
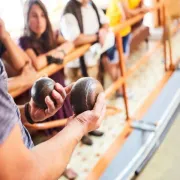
53, 68
126, 74
49, 70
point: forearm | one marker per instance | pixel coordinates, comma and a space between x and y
54, 154
16, 55
41, 61
105, 26
135, 11
15, 83
47, 161
66, 47
85, 39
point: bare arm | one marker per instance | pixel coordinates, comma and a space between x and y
49, 159
14, 55
45, 161
40, 61
24, 79
130, 12
85, 39
122, 10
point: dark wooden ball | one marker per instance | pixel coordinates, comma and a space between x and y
42, 87
84, 94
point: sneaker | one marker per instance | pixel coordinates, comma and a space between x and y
129, 94
70, 174
96, 133
86, 140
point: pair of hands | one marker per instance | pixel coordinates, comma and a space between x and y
90, 120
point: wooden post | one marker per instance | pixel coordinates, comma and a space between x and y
164, 37
122, 70
168, 38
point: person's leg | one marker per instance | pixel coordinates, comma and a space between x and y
93, 71
110, 68
111, 64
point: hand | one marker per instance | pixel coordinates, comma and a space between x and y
102, 35
58, 54
59, 94
3, 32
91, 120
145, 9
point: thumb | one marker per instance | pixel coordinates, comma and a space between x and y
68, 88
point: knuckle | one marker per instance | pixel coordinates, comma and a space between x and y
98, 125
96, 115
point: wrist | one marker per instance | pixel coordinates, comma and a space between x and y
79, 127
51, 60
5, 38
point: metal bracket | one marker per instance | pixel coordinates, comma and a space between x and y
144, 126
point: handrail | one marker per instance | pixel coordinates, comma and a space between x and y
110, 110
122, 80
53, 68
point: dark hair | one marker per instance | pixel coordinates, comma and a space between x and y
47, 40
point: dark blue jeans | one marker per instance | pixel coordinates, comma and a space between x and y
125, 40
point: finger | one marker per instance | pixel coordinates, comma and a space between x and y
103, 112
99, 103
50, 105
44, 75
69, 88
61, 90
58, 98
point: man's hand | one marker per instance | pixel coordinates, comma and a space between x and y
59, 94
91, 120
3, 32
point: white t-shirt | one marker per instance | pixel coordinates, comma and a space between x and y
70, 30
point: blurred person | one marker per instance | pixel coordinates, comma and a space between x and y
83, 22
133, 8
45, 47
116, 15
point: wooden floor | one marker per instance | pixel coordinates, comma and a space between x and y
91, 162
165, 163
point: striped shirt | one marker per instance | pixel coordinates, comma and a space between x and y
9, 112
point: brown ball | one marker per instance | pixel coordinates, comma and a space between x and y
84, 94
42, 87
